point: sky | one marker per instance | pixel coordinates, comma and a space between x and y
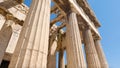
108, 14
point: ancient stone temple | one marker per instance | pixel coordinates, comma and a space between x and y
29, 38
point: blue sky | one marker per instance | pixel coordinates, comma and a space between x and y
108, 13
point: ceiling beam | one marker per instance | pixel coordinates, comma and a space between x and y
54, 8
20, 1
63, 6
58, 18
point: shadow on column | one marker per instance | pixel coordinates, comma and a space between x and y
4, 64
5, 35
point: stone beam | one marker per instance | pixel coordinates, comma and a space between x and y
54, 8
20, 10
20, 1
63, 6
79, 10
61, 26
85, 6
7, 14
58, 18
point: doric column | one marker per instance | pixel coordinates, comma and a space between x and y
32, 47
61, 59
51, 61
75, 56
91, 54
101, 55
5, 35
52, 54
16, 29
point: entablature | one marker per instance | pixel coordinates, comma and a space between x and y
74, 6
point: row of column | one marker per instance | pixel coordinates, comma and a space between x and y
94, 54
32, 47
90, 50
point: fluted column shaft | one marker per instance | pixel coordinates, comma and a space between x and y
91, 54
75, 57
51, 61
5, 35
32, 47
61, 59
101, 55
52, 54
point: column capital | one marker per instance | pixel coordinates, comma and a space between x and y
87, 27
68, 13
9, 16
